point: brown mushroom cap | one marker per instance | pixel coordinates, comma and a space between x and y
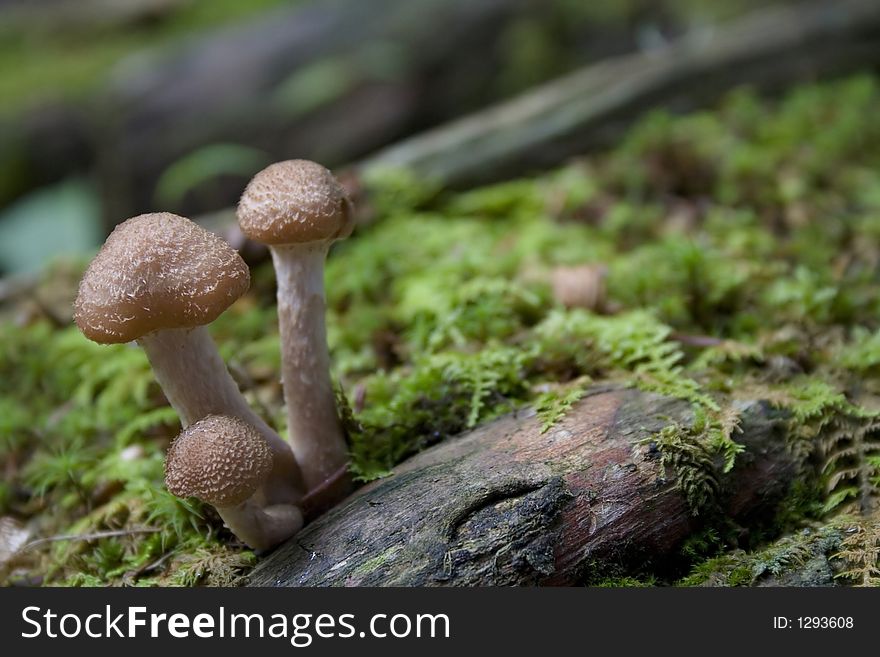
157, 271
220, 459
294, 202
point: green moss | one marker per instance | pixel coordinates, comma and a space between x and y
741, 248
862, 354
859, 553
626, 582
696, 456
376, 562
212, 566
773, 562
551, 406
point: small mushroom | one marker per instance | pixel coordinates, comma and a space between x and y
581, 286
226, 463
159, 279
299, 209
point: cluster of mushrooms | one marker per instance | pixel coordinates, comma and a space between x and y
159, 279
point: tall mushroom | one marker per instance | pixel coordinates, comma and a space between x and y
159, 279
225, 462
299, 209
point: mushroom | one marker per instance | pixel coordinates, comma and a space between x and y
581, 286
159, 279
226, 463
299, 209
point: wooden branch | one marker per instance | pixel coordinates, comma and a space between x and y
508, 505
767, 49
153, 113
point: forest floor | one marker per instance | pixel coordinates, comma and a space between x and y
720, 255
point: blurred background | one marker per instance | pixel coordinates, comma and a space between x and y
111, 108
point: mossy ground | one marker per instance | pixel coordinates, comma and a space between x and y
741, 247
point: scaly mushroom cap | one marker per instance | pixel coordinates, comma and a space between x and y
220, 459
157, 271
295, 202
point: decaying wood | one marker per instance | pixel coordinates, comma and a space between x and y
768, 49
508, 505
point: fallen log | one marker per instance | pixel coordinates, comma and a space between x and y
508, 505
768, 49
153, 113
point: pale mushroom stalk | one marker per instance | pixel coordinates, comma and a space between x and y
197, 383
225, 462
299, 209
316, 434
261, 527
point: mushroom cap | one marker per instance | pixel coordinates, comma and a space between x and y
581, 286
220, 459
157, 271
295, 202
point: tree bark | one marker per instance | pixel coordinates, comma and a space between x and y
508, 505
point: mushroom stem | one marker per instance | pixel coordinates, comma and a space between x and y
315, 431
197, 384
261, 527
